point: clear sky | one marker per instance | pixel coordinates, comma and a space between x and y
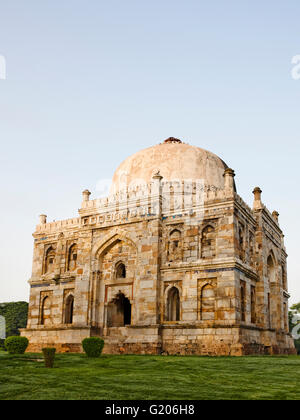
89, 83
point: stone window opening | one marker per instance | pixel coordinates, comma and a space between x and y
173, 305
69, 309
119, 311
121, 271
45, 318
72, 258
208, 242
175, 251
49, 261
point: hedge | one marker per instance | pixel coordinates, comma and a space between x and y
16, 345
93, 346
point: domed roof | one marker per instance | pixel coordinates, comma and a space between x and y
174, 160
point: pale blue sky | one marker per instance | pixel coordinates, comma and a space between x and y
91, 82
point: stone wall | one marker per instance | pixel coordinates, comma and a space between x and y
204, 275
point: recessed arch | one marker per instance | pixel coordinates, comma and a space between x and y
208, 241
49, 262
175, 245
207, 302
72, 257
101, 247
69, 309
271, 268
45, 318
120, 270
173, 304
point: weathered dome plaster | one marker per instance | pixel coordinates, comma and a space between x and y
175, 161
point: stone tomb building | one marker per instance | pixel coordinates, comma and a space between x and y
172, 261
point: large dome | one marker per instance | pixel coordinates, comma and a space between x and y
174, 160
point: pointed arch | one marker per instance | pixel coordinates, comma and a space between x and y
271, 268
173, 304
107, 242
69, 309
49, 262
103, 274
208, 241
175, 246
45, 317
208, 302
120, 270
72, 257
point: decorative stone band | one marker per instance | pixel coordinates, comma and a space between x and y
33, 286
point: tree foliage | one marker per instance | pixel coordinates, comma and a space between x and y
15, 314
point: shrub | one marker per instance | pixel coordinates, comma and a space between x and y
16, 345
93, 346
49, 356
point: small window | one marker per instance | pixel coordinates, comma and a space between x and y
49, 261
121, 271
72, 258
69, 309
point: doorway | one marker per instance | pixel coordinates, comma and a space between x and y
119, 312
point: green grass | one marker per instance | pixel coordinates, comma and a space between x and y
149, 377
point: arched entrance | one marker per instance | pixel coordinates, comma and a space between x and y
119, 311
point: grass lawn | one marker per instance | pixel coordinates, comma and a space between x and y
149, 377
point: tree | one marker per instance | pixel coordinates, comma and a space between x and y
15, 314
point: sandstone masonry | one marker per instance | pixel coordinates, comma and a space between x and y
170, 266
